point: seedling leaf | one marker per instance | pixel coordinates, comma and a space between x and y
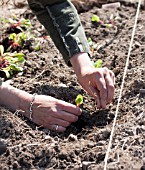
95, 18
98, 63
1, 50
79, 100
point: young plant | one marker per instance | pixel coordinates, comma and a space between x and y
15, 25
92, 45
10, 62
96, 19
16, 40
23, 39
107, 24
79, 100
98, 63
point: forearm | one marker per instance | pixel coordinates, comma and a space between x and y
80, 61
61, 20
14, 99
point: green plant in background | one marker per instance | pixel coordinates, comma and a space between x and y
79, 100
92, 45
10, 62
96, 19
98, 63
20, 35
108, 24
16, 40
13, 23
19, 40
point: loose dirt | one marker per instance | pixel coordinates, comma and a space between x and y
24, 145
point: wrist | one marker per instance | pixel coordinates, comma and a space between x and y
24, 103
79, 62
15, 99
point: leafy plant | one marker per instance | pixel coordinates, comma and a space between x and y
16, 40
16, 25
98, 63
92, 45
10, 62
108, 24
23, 39
79, 100
96, 19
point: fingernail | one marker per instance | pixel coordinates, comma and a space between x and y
103, 106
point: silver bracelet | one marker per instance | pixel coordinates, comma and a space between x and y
31, 105
1, 81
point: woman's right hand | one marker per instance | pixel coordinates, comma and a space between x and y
47, 111
54, 114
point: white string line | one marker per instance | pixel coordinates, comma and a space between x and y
122, 85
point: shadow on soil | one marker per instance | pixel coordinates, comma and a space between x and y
87, 121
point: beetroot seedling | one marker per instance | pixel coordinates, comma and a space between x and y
96, 19
108, 24
15, 25
79, 100
10, 62
92, 45
23, 40
98, 63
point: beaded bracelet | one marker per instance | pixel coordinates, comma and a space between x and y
31, 105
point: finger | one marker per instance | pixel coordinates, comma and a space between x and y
101, 85
112, 76
52, 122
67, 107
67, 116
59, 122
59, 128
110, 87
94, 92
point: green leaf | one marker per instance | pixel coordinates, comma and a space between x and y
4, 20
14, 16
90, 41
18, 55
6, 71
98, 63
19, 58
26, 22
11, 21
108, 25
15, 67
15, 60
111, 17
79, 100
95, 18
21, 36
13, 37
37, 47
1, 50
19, 28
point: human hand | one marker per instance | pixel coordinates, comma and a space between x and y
54, 114
47, 112
98, 82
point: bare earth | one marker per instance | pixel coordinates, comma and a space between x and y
24, 145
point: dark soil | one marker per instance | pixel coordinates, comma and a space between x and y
24, 145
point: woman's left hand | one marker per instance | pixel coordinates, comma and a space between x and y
98, 82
